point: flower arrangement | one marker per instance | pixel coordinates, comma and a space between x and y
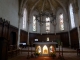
53, 54
36, 54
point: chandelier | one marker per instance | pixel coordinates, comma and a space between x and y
40, 16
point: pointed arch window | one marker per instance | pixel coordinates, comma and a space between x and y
61, 22
48, 24
71, 16
24, 18
34, 23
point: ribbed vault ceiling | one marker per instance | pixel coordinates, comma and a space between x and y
45, 5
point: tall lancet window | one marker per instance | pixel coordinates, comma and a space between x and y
61, 22
47, 24
71, 16
24, 18
34, 23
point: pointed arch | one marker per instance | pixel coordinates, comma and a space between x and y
24, 18
61, 21
71, 15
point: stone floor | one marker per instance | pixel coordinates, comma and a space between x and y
68, 54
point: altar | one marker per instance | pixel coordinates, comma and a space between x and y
45, 48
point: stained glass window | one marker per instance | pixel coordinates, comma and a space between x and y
34, 23
61, 22
24, 18
71, 16
47, 24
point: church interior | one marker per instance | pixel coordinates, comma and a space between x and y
39, 29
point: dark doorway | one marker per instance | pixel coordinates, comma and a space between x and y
13, 38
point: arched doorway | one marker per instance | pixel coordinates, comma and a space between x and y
45, 49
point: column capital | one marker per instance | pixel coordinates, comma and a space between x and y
75, 6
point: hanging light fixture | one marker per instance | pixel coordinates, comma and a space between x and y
40, 16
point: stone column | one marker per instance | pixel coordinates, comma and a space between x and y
19, 21
76, 11
28, 36
69, 32
79, 20
28, 25
28, 33
68, 26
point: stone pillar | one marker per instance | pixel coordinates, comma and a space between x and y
69, 33
68, 26
28, 22
28, 37
19, 21
76, 12
28, 34
79, 20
